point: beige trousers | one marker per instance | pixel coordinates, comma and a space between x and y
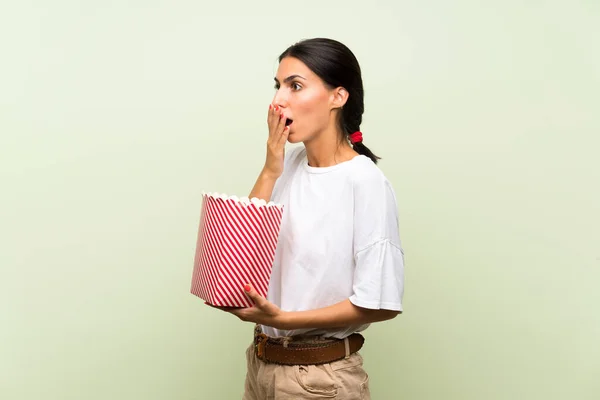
344, 380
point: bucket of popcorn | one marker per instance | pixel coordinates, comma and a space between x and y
236, 245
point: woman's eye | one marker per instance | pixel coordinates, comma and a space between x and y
295, 86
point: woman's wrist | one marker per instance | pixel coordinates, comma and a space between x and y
268, 176
263, 188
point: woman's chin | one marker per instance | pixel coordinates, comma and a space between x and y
293, 138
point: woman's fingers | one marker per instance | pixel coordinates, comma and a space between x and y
272, 118
275, 144
281, 132
281, 123
276, 121
284, 135
270, 114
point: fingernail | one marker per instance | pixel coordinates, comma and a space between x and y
247, 288
270, 106
276, 108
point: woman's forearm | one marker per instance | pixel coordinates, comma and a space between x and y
338, 315
263, 188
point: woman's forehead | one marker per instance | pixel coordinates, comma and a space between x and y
291, 66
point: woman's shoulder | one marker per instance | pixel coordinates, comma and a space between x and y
364, 170
370, 182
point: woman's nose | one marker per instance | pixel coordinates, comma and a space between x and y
279, 99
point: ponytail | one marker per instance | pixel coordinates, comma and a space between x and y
360, 148
356, 139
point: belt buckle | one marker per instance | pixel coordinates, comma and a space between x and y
260, 340
259, 345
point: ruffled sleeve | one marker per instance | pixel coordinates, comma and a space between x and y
379, 277
378, 281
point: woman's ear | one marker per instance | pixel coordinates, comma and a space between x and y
339, 97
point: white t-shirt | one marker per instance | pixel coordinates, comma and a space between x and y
338, 239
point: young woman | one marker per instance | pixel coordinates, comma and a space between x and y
339, 263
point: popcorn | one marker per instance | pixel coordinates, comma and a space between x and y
237, 238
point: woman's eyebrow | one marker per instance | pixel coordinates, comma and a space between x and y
289, 78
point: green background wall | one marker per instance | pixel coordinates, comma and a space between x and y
115, 116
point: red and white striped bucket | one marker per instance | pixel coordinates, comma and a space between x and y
236, 245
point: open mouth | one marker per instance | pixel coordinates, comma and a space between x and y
288, 122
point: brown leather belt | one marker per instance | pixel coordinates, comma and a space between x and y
304, 351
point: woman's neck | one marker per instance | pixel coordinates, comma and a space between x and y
326, 150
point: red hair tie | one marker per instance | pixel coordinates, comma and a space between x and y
356, 137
